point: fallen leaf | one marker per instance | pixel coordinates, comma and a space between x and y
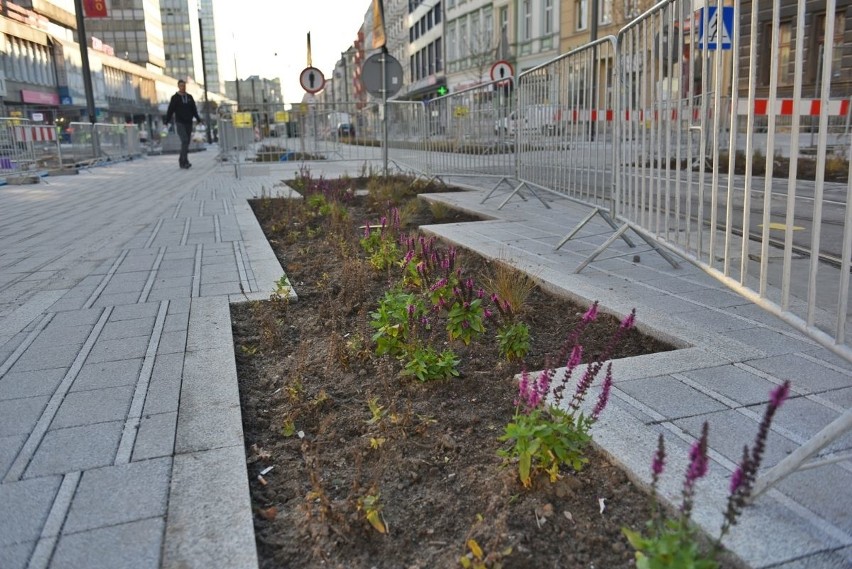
568, 515
269, 513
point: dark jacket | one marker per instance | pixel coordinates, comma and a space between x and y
183, 108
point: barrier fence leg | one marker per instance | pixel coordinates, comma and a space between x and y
494, 189
516, 192
796, 460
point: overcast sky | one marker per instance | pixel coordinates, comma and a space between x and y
256, 30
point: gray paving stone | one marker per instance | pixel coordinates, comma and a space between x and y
163, 393
156, 436
670, 397
63, 335
127, 329
170, 294
93, 406
210, 521
713, 321
86, 317
173, 282
731, 430
16, 556
24, 506
133, 311
219, 289
805, 375
68, 304
179, 306
9, 448
39, 359
212, 429
119, 494
807, 487
806, 418
172, 342
114, 350
117, 299
19, 416
176, 322
732, 382
770, 342
101, 375
139, 541
836, 558
76, 448
16, 385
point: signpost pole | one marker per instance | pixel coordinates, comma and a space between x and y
384, 112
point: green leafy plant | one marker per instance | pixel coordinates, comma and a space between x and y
426, 364
514, 341
380, 242
545, 437
371, 506
466, 315
394, 320
672, 542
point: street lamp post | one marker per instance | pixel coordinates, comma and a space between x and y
204, 78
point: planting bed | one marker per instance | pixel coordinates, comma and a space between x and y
334, 432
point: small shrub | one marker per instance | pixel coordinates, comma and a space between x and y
673, 542
511, 286
544, 437
514, 341
426, 364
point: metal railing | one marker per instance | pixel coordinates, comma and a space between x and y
100, 142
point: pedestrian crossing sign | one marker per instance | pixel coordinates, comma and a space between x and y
715, 32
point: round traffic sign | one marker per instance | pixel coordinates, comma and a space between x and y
371, 75
502, 70
312, 80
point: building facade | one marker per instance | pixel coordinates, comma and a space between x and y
181, 38
134, 30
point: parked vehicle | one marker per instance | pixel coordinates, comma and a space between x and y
546, 119
346, 129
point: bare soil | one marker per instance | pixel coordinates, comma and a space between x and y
315, 450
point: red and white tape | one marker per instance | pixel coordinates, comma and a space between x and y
36, 133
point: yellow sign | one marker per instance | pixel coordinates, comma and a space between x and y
282, 116
781, 226
242, 120
460, 112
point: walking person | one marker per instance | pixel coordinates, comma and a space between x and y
182, 108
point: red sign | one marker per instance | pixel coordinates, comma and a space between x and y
95, 8
39, 97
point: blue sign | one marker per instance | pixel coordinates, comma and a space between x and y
714, 32
66, 101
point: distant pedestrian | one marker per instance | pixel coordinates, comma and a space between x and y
182, 108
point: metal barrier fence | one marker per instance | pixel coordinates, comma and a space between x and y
26, 148
712, 170
100, 142
470, 133
565, 124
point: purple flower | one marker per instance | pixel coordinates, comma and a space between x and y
591, 313
480, 293
384, 221
411, 310
603, 398
659, 463
488, 313
779, 394
698, 461
576, 356
629, 320
736, 480
366, 229
494, 298
408, 257
438, 284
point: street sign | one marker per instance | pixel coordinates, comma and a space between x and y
502, 70
714, 32
282, 116
312, 80
371, 75
242, 120
460, 112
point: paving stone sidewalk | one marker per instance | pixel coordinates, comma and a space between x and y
120, 435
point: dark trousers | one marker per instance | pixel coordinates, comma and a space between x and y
184, 131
